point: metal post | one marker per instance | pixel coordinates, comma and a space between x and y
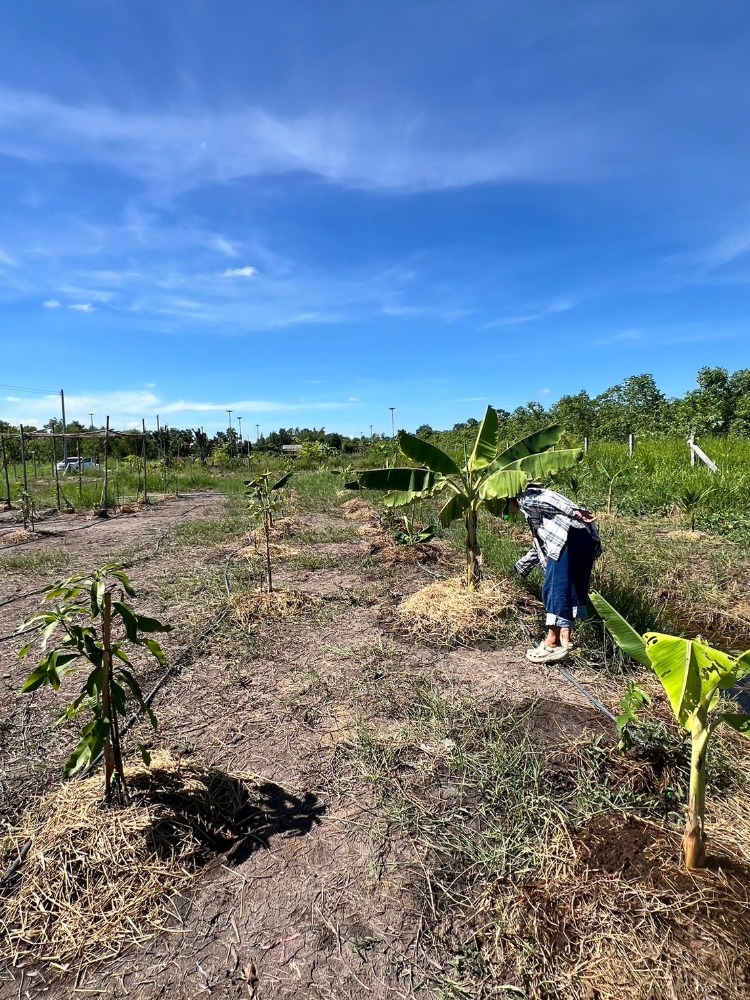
105, 492
231, 449
393, 424
630, 445
585, 446
257, 433
5, 471
158, 438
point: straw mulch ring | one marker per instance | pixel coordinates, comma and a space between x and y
278, 550
250, 608
96, 879
447, 612
626, 919
357, 510
16, 537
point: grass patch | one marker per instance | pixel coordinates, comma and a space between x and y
542, 863
36, 562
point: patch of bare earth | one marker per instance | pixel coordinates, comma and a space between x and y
324, 896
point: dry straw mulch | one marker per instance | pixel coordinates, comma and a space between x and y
18, 536
254, 606
97, 878
445, 611
626, 919
357, 510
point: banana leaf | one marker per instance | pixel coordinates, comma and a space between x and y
427, 454
399, 480
622, 632
453, 508
503, 484
676, 665
547, 463
485, 447
538, 442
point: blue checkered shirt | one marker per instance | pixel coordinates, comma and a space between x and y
550, 516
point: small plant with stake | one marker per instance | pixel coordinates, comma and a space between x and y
263, 500
485, 479
98, 626
693, 676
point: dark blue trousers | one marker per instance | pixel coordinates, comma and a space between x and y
566, 581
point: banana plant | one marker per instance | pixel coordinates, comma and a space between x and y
486, 478
693, 676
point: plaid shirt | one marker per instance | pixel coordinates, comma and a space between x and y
550, 516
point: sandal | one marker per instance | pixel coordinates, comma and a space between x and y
568, 643
546, 654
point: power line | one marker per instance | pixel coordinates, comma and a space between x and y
42, 392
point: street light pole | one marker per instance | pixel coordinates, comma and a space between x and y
257, 433
393, 424
239, 421
231, 450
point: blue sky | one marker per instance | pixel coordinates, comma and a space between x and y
309, 212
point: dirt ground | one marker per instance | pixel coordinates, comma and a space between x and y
317, 904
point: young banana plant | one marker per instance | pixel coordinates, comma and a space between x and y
486, 478
693, 676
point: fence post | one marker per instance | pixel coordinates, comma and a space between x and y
105, 491
630, 445
145, 467
585, 446
57, 474
5, 471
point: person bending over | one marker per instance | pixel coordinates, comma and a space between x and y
565, 543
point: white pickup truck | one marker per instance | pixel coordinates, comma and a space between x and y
71, 464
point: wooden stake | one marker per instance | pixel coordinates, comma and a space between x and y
5, 471
54, 466
105, 492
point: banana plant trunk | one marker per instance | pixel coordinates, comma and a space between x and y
473, 552
694, 839
109, 757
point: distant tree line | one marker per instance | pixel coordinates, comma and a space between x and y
719, 405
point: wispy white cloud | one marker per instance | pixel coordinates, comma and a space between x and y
127, 407
623, 337
240, 272
559, 305
51, 304
82, 307
194, 147
544, 392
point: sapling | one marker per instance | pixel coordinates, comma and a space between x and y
484, 479
263, 499
91, 623
693, 676
691, 500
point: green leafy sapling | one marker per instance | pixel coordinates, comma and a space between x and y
91, 624
693, 676
263, 499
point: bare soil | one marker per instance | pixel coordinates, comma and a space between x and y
319, 903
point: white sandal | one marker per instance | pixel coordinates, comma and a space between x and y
546, 654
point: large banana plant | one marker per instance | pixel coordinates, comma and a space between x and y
693, 676
486, 478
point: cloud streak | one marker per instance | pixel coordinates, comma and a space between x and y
192, 148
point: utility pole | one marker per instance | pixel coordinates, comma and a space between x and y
239, 421
65, 432
229, 436
91, 415
257, 433
393, 423
370, 431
